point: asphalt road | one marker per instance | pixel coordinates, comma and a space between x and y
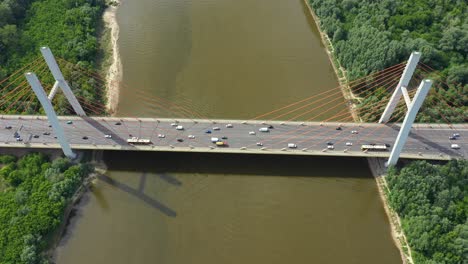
426, 141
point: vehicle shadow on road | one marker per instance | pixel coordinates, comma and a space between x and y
139, 194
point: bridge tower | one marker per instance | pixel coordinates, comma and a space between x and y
46, 100
412, 105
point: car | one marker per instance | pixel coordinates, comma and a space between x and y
16, 135
252, 133
69, 122
208, 132
229, 126
354, 132
108, 136
270, 126
264, 129
330, 143
349, 144
46, 133
455, 146
259, 144
338, 128
214, 139
224, 137
55, 137
452, 138
8, 127
35, 136
19, 139
85, 137
118, 123
180, 140
456, 134
50, 125
222, 144
191, 136
216, 128
174, 124
179, 128
330, 147
292, 145
161, 136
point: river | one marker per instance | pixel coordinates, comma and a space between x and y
225, 59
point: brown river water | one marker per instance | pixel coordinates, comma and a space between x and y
225, 59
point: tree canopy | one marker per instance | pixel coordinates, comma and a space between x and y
432, 201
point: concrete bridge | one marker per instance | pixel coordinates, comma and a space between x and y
426, 141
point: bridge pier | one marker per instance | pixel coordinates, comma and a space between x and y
51, 115
401, 87
60, 82
418, 100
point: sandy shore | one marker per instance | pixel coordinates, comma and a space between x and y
376, 165
114, 73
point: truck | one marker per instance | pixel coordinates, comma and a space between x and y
138, 141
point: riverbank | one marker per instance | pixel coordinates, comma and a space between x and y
378, 169
340, 72
114, 71
376, 165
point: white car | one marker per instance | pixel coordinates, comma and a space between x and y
108, 136
252, 133
330, 147
216, 128
292, 145
161, 136
174, 124
354, 132
229, 126
349, 144
259, 144
455, 146
191, 136
179, 128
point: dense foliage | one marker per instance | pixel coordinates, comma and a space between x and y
369, 36
432, 201
32, 207
68, 27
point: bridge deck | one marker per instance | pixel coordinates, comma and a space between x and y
426, 141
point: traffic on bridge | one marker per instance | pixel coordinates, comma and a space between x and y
429, 141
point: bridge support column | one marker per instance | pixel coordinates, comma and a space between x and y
60, 82
404, 81
418, 100
51, 115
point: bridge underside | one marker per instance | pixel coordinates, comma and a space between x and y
426, 141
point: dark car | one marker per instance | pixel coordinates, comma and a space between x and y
36, 136
224, 137
8, 127
180, 140
85, 137
452, 138
46, 133
329, 143
270, 126
118, 123
208, 131
338, 128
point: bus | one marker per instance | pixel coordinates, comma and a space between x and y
138, 141
375, 147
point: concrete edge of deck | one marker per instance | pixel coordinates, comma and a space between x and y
330, 153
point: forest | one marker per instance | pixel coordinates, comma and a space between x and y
68, 27
369, 36
432, 202
35, 194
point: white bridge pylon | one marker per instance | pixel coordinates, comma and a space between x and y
46, 101
413, 106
